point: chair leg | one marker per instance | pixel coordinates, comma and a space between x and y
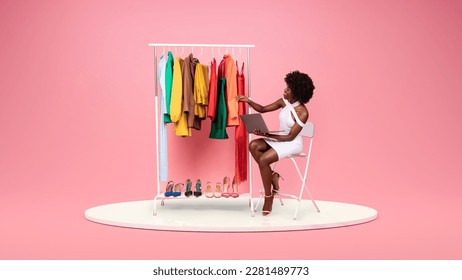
298, 206
280, 200
299, 199
312, 200
296, 209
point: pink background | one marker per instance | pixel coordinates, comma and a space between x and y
77, 123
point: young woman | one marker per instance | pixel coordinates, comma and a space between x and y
292, 118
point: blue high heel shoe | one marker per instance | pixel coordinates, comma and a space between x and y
178, 188
169, 189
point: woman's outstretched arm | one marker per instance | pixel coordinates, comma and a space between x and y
260, 108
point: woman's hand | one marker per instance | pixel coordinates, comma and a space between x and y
259, 133
242, 98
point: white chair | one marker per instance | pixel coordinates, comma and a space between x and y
307, 133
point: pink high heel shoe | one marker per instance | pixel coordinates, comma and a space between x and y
226, 187
235, 193
275, 182
267, 212
208, 190
218, 190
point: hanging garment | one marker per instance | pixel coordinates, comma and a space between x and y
163, 158
212, 90
231, 91
241, 136
168, 86
201, 88
188, 69
286, 122
218, 129
176, 104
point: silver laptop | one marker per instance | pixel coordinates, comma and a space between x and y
255, 121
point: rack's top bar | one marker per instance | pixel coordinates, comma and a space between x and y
201, 45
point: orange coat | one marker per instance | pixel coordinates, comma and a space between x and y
231, 91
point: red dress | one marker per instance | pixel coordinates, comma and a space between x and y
241, 136
213, 84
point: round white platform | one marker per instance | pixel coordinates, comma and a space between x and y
228, 215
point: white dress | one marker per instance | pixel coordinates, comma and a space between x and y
286, 122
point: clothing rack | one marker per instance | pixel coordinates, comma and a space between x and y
155, 46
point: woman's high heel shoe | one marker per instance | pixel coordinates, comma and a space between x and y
270, 208
169, 189
226, 187
235, 193
208, 190
218, 190
188, 191
178, 188
198, 191
275, 183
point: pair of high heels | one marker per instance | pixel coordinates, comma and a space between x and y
197, 192
210, 193
224, 189
227, 186
173, 189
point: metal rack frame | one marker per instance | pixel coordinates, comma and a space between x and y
155, 46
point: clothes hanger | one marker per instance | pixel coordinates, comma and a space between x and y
239, 55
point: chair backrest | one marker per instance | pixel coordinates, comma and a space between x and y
307, 130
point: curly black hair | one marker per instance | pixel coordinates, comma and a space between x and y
301, 86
